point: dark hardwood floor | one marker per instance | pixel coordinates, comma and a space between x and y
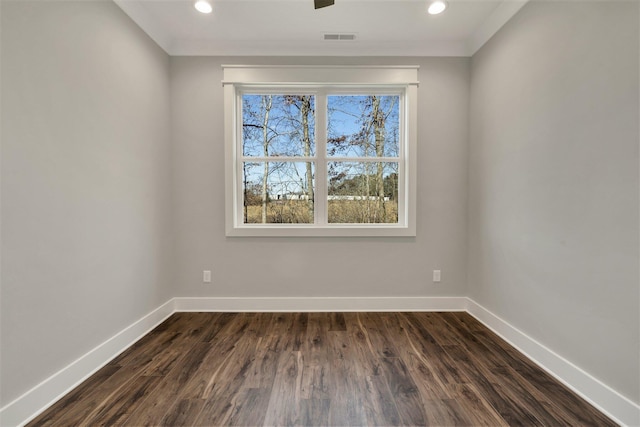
251, 369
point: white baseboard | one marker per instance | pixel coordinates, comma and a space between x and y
293, 304
40, 397
603, 397
33, 402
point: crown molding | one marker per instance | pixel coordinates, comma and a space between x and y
500, 16
140, 15
316, 48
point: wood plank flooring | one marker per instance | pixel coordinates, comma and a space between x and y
317, 369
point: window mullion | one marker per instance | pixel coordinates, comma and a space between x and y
320, 202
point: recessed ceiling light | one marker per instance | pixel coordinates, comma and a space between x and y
203, 6
437, 6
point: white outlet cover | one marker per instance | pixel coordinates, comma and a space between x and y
206, 276
436, 275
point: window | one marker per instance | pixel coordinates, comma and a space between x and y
320, 151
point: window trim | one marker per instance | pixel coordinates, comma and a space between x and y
321, 80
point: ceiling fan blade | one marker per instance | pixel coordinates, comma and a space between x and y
317, 4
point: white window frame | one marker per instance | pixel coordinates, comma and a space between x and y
320, 81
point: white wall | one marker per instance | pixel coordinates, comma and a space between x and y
553, 193
306, 267
85, 183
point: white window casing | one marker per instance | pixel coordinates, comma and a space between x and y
321, 81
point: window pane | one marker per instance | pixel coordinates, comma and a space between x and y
363, 125
363, 192
278, 125
285, 196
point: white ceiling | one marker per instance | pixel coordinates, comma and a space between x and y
293, 27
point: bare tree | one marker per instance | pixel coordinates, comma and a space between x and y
379, 118
266, 105
305, 111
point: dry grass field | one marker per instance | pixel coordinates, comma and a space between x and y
340, 212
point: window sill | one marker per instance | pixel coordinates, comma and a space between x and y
296, 230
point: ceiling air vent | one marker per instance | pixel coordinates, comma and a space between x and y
339, 36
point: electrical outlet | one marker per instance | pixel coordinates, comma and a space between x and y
436, 276
206, 276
